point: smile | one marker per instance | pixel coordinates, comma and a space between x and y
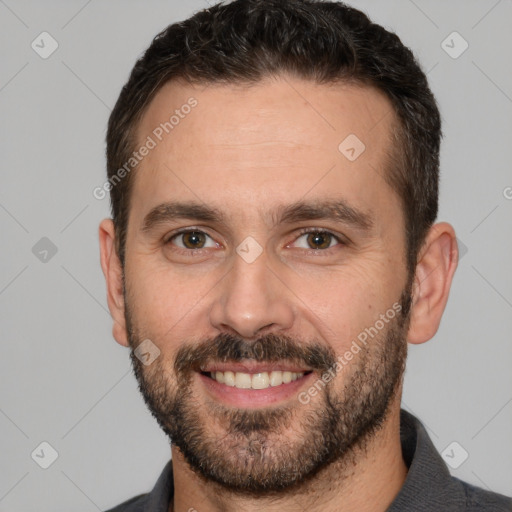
254, 384
261, 380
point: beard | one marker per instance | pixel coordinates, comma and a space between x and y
273, 450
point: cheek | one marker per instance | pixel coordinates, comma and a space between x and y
165, 303
342, 303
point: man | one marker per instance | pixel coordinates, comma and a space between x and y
273, 171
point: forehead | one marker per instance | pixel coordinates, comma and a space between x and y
279, 140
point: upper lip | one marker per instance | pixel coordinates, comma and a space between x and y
254, 367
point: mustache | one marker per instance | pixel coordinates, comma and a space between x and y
270, 348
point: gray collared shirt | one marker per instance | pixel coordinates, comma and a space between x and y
429, 487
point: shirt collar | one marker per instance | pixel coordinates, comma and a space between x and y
428, 485
161, 495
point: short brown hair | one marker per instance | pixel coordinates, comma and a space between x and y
247, 40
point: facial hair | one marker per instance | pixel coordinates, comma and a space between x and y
272, 450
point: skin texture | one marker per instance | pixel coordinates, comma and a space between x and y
246, 151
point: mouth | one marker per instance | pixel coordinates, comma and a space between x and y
260, 380
250, 386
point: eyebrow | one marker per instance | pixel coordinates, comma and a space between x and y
336, 210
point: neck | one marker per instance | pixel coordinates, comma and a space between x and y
369, 484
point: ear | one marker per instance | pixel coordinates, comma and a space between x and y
436, 266
113, 272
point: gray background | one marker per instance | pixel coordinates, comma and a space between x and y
63, 378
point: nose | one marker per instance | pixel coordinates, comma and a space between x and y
252, 300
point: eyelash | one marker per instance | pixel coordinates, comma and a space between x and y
302, 232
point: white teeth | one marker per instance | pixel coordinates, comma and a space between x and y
229, 378
276, 378
262, 380
242, 380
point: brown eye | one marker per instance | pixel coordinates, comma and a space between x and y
319, 240
192, 239
315, 239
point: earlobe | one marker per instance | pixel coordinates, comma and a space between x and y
113, 272
436, 266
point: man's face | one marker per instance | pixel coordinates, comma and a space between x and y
243, 297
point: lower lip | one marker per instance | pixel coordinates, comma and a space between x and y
253, 398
